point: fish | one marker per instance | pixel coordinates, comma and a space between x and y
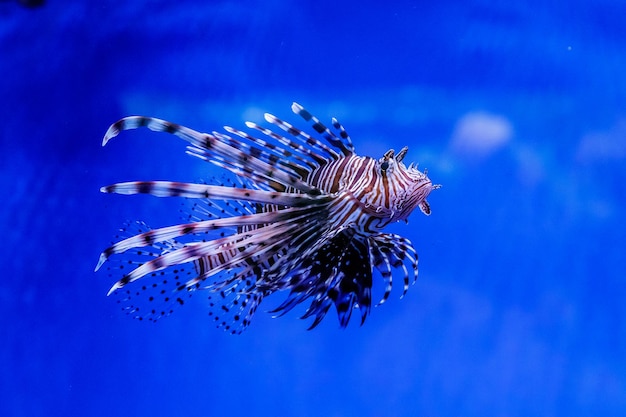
303, 216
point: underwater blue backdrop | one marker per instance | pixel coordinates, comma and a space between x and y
518, 109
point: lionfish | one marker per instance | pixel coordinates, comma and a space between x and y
305, 216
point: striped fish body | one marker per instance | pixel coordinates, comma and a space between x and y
306, 219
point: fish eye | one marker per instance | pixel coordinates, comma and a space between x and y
384, 165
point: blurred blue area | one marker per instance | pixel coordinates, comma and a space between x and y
519, 110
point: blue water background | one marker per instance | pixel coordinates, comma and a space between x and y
520, 306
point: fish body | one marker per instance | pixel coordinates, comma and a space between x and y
306, 218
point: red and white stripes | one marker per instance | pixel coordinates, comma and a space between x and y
312, 224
